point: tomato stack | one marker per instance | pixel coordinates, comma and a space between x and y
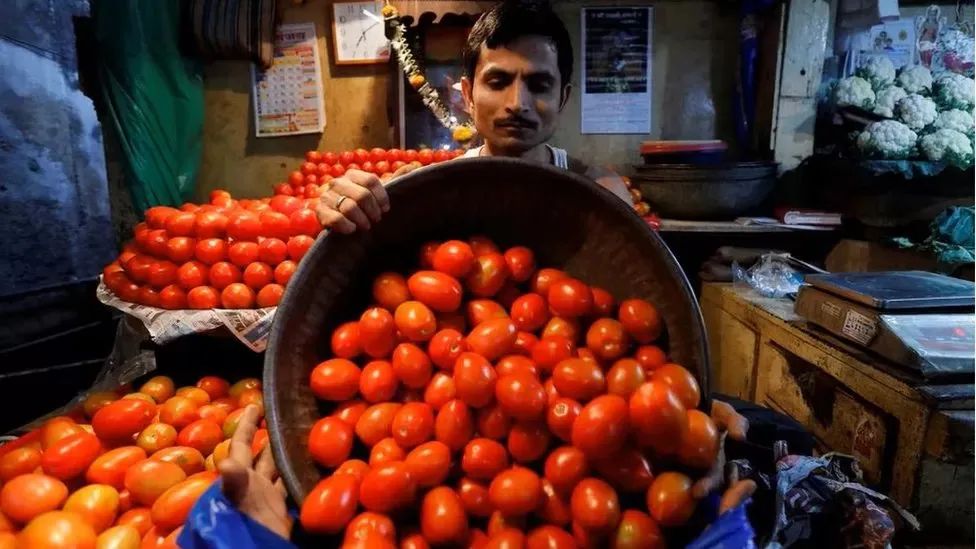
321, 167
482, 399
232, 254
126, 469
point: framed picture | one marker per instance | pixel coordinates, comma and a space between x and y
358, 33
416, 126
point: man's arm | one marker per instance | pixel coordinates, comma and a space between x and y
610, 181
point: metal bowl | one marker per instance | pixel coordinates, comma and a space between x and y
570, 222
706, 192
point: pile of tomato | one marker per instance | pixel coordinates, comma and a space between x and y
125, 470
231, 254
321, 167
483, 402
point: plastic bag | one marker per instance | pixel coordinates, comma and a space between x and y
214, 523
771, 276
154, 97
731, 530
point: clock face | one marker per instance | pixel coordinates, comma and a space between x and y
359, 32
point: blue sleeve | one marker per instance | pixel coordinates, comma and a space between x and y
214, 523
730, 530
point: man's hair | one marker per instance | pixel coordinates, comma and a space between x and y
512, 19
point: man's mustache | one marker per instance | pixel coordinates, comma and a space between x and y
516, 121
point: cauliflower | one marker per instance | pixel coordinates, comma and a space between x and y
887, 139
915, 79
955, 119
854, 91
948, 146
954, 91
915, 111
886, 100
878, 70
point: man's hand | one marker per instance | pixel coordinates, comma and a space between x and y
250, 485
729, 423
356, 200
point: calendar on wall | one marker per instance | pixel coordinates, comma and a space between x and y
288, 96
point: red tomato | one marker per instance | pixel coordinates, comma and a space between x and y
699, 445
488, 275
429, 463
173, 506
210, 250
335, 379
203, 435
19, 461
521, 396
454, 425
442, 516
483, 459
214, 413
439, 291
386, 451
561, 415
474, 379
387, 487
554, 508
530, 312
186, 458
425, 156
474, 497
657, 417
139, 518
256, 275
285, 204
377, 332
640, 319
162, 274
211, 225
109, 468
552, 350
570, 298
565, 467
427, 254
515, 491
156, 437
361, 156
606, 338
350, 411
181, 224
603, 303
157, 215
492, 422
595, 506
544, 279
413, 424
637, 531
122, 419
454, 257
481, 310
330, 506
415, 321
269, 296
223, 274
376, 422
27, 496
172, 297
528, 441
191, 274
390, 290
371, 526
378, 381
298, 246
283, 272
57, 529
650, 357
203, 297
179, 412
180, 249
684, 385
411, 365
445, 347
669, 499
627, 470
148, 479
275, 224
97, 504
272, 251
439, 391
237, 296
602, 426
481, 245
303, 221
493, 338
521, 263
625, 377
578, 379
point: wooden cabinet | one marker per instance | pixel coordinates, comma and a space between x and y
913, 439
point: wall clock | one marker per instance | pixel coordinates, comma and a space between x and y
358, 33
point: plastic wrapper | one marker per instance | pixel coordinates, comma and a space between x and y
772, 276
214, 523
252, 327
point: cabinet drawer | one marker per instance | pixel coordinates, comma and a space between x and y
836, 415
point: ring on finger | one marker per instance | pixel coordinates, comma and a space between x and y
342, 198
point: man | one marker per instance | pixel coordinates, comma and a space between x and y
518, 65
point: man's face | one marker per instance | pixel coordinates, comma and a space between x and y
515, 97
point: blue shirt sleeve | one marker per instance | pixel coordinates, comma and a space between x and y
215, 523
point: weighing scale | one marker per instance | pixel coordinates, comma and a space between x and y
921, 320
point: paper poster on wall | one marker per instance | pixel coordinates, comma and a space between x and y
288, 96
894, 39
616, 76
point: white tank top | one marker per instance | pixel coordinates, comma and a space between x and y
559, 157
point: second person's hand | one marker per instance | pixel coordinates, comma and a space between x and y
353, 202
